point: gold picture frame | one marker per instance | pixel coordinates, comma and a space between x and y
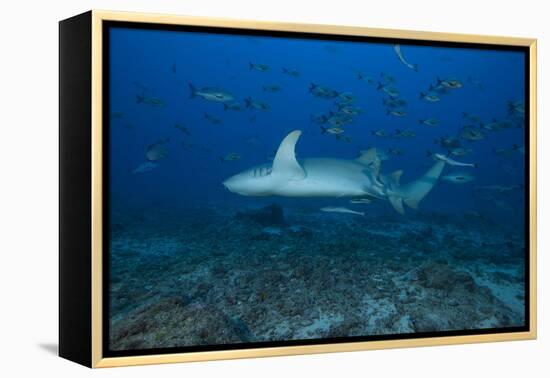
93, 356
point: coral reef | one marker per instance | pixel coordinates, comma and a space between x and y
271, 215
203, 277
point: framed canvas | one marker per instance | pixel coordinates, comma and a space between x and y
236, 189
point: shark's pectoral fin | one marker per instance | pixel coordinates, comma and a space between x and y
285, 163
397, 203
396, 176
370, 159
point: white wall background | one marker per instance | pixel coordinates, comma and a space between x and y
28, 186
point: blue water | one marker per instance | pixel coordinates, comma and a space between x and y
163, 214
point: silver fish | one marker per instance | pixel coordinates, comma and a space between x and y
210, 94
455, 163
258, 67
342, 210
145, 167
458, 178
397, 49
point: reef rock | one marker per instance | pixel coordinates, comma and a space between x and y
271, 215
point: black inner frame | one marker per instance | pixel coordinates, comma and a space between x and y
108, 25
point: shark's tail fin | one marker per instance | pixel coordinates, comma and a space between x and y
413, 192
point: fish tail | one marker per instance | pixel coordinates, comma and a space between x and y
422, 95
413, 192
420, 121
415, 67
387, 111
193, 90
438, 80
284, 70
312, 86
248, 102
225, 107
140, 98
250, 66
380, 86
323, 129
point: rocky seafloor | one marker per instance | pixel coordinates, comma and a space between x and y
213, 275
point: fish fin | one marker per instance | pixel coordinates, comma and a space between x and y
193, 90
285, 163
397, 203
396, 176
415, 191
312, 86
412, 203
367, 157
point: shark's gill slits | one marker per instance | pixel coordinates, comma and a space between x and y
261, 171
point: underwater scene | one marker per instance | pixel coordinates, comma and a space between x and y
271, 189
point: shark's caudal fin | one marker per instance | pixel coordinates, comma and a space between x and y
285, 163
413, 192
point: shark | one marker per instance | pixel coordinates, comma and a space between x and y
331, 177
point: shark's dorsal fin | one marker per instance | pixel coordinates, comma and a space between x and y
285, 163
396, 176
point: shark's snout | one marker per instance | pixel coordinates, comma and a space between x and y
231, 184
